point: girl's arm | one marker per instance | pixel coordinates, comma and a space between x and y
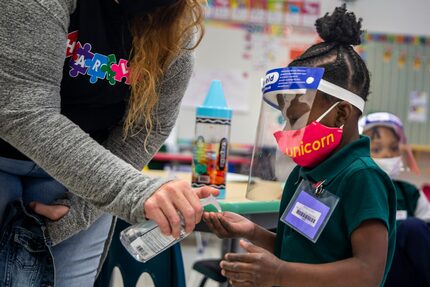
263, 238
365, 268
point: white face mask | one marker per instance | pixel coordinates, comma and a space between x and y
392, 165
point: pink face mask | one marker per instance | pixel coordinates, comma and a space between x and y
310, 145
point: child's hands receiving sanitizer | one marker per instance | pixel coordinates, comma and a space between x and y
145, 240
229, 225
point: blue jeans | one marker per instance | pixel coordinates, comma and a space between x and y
75, 260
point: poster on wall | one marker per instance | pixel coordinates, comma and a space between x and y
311, 12
275, 12
293, 12
240, 10
258, 12
417, 111
222, 9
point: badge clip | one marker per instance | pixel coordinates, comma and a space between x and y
319, 187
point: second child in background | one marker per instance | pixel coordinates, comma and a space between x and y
388, 147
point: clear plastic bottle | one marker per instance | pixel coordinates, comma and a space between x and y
212, 137
145, 240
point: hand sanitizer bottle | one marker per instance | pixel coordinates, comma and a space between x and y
145, 240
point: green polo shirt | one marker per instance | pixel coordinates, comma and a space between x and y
365, 193
407, 198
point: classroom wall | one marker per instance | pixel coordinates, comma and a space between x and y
394, 16
390, 16
216, 53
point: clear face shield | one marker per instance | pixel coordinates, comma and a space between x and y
388, 144
286, 135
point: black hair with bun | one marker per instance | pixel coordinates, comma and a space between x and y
343, 66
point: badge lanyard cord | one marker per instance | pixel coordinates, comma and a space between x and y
319, 187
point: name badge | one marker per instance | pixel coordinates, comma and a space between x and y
309, 210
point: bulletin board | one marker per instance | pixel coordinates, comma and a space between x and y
400, 81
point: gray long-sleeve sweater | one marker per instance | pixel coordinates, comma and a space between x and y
104, 178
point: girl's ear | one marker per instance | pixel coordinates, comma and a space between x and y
344, 113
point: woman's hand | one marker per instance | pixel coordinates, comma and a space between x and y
257, 268
229, 225
177, 197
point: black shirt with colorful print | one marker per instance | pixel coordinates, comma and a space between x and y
95, 86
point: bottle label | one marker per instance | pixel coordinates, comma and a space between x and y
222, 158
154, 242
209, 163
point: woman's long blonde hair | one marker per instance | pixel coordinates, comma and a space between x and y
158, 38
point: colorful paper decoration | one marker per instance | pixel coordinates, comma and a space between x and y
388, 55
273, 12
397, 39
402, 60
417, 63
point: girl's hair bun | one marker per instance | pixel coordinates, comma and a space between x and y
341, 27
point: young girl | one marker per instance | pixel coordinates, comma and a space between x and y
411, 263
356, 246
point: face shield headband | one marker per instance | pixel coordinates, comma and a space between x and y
383, 119
301, 81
